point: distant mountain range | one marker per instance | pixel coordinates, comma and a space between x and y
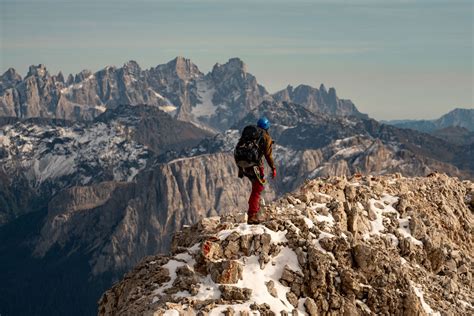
463, 118
215, 100
456, 127
455, 134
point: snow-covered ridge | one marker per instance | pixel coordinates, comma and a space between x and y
336, 246
91, 153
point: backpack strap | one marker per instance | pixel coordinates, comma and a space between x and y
259, 141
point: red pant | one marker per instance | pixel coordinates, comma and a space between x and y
254, 200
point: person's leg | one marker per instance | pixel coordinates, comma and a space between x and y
254, 200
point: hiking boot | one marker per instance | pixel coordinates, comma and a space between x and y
255, 219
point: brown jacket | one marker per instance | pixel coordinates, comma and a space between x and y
268, 150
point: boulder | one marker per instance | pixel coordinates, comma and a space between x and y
233, 293
225, 272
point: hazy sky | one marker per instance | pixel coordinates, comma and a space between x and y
393, 59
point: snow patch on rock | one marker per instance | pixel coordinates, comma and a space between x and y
205, 107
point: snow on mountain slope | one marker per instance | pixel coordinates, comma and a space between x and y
204, 107
168, 107
369, 245
86, 153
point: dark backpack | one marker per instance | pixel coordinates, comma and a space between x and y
247, 153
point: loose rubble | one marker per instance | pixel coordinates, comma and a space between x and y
361, 246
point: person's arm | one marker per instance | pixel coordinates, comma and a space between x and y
268, 151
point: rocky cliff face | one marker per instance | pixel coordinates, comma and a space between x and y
138, 218
41, 158
337, 246
213, 101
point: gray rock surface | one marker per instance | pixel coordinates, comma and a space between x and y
375, 267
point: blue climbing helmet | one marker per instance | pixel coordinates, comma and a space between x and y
263, 122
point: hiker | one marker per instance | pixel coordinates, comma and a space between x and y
254, 144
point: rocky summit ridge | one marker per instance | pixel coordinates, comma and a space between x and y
362, 245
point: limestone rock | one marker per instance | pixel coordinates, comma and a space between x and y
226, 272
292, 298
311, 307
232, 293
271, 288
304, 257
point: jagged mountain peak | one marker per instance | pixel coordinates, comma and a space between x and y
305, 87
233, 66
109, 68
236, 63
284, 94
37, 70
214, 101
10, 75
332, 95
60, 77
183, 67
180, 60
9, 79
321, 101
322, 88
357, 246
70, 79
84, 74
282, 112
303, 92
132, 63
132, 66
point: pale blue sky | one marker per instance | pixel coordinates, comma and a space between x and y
393, 59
